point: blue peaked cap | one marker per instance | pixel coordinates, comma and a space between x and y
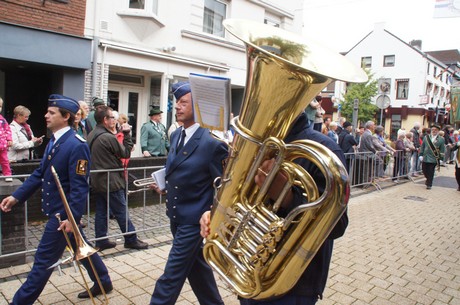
180, 89
64, 102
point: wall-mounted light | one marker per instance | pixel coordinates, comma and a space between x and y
169, 49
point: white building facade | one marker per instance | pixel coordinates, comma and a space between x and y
417, 84
142, 47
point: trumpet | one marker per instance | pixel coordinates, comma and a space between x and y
143, 185
83, 250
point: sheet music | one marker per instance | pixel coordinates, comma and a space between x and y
159, 177
212, 101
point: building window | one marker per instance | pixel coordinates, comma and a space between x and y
402, 89
214, 14
366, 62
428, 69
435, 71
389, 61
146, 5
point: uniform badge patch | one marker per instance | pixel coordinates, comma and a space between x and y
82, 167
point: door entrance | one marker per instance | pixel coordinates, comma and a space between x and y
127, 100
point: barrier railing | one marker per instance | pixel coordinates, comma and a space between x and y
147, 211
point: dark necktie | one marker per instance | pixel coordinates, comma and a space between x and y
50, 145
181, 142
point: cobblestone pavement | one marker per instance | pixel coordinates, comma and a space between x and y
402, 247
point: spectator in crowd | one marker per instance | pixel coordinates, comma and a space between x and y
154, 142
312, 282
347, 143
417, 140
195, 160
78, 125
332, 133
318, 126
384, 150
359, 133
6, 141
455, 147
106, 153
432, 152
448, 132
23, 137
90, 117
69, 155
85, 107
410, 148
400, 156
312, 109
327, 122
340, 122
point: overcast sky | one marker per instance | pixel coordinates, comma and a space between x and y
341, 24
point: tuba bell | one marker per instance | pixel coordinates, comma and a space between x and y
258, 253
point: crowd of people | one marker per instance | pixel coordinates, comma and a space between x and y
85, 143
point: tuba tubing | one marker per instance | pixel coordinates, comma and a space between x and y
258, 253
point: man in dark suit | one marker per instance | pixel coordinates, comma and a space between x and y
68, 153
194, 161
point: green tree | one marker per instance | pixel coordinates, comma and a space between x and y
364, 92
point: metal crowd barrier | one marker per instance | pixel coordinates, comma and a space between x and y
370, 169
148, 212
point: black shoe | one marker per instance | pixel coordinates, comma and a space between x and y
428, 187
96, 290
106, 245
138, 245
458, 189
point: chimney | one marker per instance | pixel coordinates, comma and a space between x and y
416, 44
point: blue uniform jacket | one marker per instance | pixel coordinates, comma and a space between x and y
313, 280
72, 173
190, 175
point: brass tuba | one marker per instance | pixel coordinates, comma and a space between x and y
258, 253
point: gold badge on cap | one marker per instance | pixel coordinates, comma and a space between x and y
82, 167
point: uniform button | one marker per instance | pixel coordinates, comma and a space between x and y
166, 200
42, 190
174, 216
49, 183
175, 198
47, 194
43, 179
41, 200
47, 214
174, 207
166, 181
43, 210
166, 191
48, 203
176, 187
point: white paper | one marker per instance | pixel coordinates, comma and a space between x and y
159, 177
211, 100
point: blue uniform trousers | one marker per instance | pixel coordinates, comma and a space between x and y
49, 251
186, 261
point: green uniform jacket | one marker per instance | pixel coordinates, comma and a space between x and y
154, 139
427, 152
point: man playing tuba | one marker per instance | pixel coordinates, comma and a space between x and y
310, 286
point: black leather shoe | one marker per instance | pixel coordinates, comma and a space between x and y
106, 245
95, 291
138, 245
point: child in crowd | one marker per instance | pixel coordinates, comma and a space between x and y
6, 140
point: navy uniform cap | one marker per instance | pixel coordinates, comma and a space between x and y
180, 89
64, 102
